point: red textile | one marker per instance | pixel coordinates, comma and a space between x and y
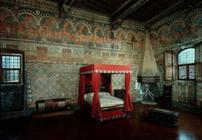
127, 100
97, 74
112, 113
96, 101
105, 67
81, 90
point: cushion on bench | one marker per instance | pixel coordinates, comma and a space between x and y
52, 104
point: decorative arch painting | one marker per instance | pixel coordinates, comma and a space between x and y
48, 29
177, 29
8, 23
98, 36
66, 32
26, 25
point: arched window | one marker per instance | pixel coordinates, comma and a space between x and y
186, 64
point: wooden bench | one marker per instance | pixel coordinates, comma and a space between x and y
165, 117
53, 107
50, 105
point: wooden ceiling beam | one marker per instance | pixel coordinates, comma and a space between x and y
126, 10
166, 12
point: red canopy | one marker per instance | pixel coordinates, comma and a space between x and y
95, 74
104, 68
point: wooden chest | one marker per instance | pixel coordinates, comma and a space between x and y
162, 116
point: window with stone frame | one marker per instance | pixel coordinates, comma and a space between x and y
186, 64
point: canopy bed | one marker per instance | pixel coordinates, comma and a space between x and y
95, 91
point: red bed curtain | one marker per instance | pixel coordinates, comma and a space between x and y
96, 101
127, 100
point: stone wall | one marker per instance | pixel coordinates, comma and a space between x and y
181, 30
55, 48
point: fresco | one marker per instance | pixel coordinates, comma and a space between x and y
48, 29
177, 30
140, 38
56, 48
98, 37
66, 32
7, 23
131, 37
168, 34
109, 39
27, 27
164, 35
82, 34
154, 40
107, 36
196, 22
120, 35
121, 38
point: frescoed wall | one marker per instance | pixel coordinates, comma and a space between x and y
176, 32
46, 29
56, 48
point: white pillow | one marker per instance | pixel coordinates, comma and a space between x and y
101, 94
104, 93
88, 95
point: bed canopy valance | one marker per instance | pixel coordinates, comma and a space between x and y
98, 75
103, 68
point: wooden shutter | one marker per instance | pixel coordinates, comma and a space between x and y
170, 65
199, 62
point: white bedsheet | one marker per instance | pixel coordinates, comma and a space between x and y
106, 100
